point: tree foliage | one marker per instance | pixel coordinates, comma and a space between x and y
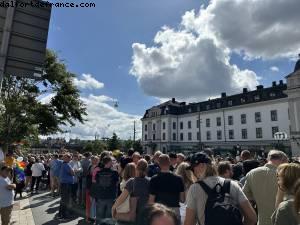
22, 113
114, 142
96, 147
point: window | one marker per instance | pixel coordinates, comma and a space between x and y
218, 121
198, 136
259, 133
181, 125
207, 107
190, 110
198, 123
181, 136
257, 117
146, 137
190, 136
153, 126
243, 119
243, 100
274, 130
231, 134
153, 137
189, 124
164, 136
164, 125
146, 127
244, 134
273, 115
230, 120
174, 136
219, 134
230, 102
218, 105
256, 97
174, 125
207, 122
272, 94
208, 135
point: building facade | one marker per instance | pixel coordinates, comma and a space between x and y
246, 120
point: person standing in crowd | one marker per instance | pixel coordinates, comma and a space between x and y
158, 214
129, 172
6, 196
90, 201
204, 170
137, 187
66, 179
297, 200
173, 161
10, 159
167, 188
76, 167
107, 181
180, 158
285, 214
55, 166
37, 172
85, 164
28, 173
136, 157
261, 186
225, 170
188, 179
153, 168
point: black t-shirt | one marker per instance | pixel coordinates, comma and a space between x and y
107, 184
167, 188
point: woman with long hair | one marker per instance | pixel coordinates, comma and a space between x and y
128, 172
285, 214
188, 179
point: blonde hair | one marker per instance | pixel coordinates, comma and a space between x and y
290, 173
129, 171
188, 176
141, 168
211, 170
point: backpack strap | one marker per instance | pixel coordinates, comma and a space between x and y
205, 187
226, 186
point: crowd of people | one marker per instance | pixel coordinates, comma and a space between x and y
161, 189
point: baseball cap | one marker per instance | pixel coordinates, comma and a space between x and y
197, 158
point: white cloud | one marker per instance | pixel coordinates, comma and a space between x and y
187, 66
274, 68
88, 82
256, 28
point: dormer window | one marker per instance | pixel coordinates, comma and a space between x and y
256, 97
272, 94
230, 102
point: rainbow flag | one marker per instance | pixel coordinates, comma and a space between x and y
20, 174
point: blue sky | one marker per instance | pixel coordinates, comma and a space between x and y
99, 41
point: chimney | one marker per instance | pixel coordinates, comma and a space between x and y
274, 84
223, 94
281, 82
173, 100
245, 90
259, 87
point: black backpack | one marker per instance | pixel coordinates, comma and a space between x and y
219, 209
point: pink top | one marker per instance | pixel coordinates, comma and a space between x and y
94, 172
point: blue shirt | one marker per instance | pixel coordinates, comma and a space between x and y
55, 166
65, 175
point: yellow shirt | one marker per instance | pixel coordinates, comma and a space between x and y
9, 161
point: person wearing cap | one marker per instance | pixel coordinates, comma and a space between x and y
202, 166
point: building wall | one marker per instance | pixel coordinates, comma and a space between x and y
283, 124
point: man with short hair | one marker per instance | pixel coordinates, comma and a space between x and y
76, 166
261, 186
165, 187
180, 158
107, 181
225, 170
85, 164
6, 196
173, 161
55, 165
153, 168
66, 180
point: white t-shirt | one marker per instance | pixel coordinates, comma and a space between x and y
6, 195
37, 169
196, 197
1, 155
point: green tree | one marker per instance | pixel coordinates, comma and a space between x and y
96, 147
24, 116
114, 142
137, 146
127, 144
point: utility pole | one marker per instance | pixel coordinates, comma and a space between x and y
134, 131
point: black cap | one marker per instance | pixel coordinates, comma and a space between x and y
197, 158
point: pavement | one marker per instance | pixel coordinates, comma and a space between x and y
22, 214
